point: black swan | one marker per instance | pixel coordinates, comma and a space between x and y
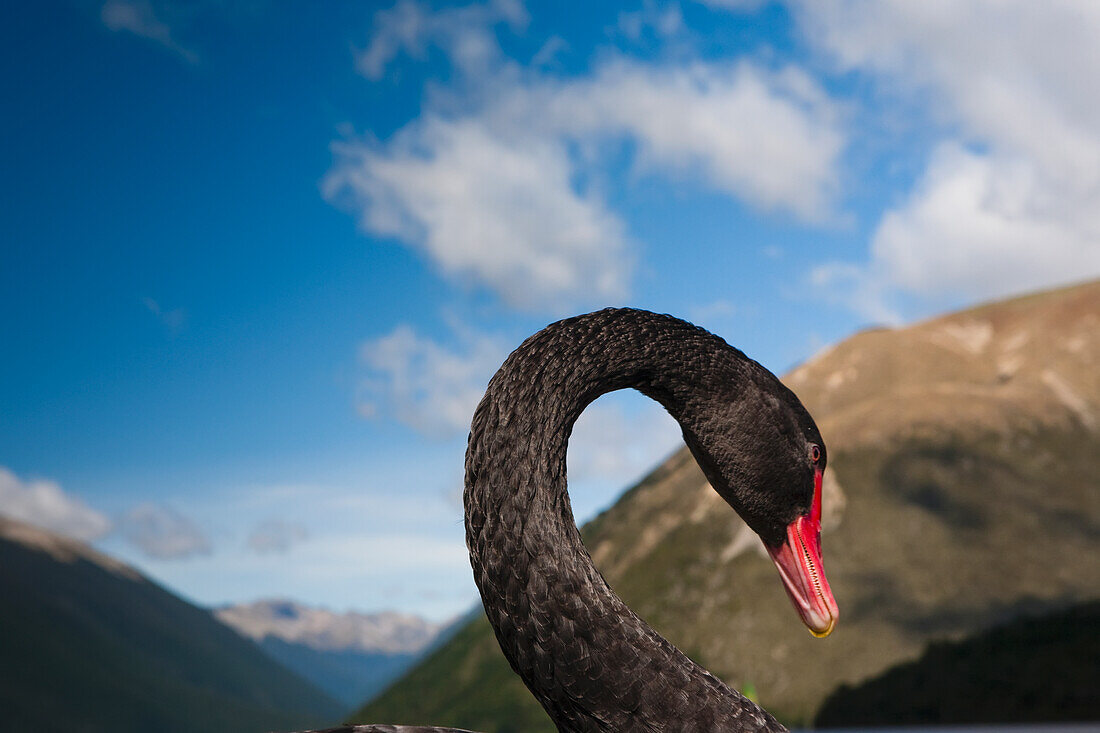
591, 662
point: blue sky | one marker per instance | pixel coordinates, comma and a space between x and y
259, 259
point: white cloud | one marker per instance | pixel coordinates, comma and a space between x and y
1016, 74
771, 138
499, 181
429, 387
662, 20
1010, 200
276, 535
142, 19
466, 33
43, 503
163, 533
491, 209
983, 226
742, 6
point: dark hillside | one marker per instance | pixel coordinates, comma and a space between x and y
88, 644
1031, 670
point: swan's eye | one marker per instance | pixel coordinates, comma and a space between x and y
815, 453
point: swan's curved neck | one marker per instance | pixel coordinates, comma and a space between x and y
592, 663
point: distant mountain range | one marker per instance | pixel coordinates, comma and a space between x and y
351, 656
961, 494
89, 644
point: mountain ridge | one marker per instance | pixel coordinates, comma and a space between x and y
90, 644
385, 632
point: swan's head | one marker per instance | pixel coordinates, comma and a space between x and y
761, 451
798, 559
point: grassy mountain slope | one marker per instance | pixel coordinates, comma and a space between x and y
88, 644
960, 494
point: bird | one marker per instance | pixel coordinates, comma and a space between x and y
591, 662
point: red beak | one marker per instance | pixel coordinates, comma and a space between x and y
799, 562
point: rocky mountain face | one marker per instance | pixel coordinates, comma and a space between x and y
1001, 368
351, 656
89, 644
961, 493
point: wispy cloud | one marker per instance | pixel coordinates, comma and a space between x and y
141, 18
43, 503
616, 443
662, 21
736, 5
428, 386
382, 554
156, 530
717, 311
173, 319
466, 33
276, 536
434, 388
162, 533
1010, 199
859, 288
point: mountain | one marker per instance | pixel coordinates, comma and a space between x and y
960, 494
985, 678
351, 656
89, 644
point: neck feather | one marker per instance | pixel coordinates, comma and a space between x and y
590, 661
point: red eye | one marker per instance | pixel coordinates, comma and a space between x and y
815, 453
